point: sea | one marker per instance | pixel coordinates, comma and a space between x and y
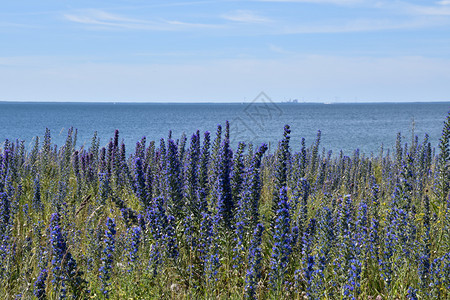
343, 126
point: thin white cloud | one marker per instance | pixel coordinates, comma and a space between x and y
104, 20
358, 25
245, 16
335, 2
181, 24
431, 10
403, 7
280, 50
96, 17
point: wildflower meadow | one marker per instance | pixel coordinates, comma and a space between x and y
192, 217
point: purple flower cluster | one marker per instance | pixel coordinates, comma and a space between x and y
108, 256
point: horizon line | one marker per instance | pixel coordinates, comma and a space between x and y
218, 102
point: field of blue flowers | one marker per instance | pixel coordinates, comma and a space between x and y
196, 219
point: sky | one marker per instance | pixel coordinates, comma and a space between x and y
225, 51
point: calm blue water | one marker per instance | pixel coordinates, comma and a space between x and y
343, 126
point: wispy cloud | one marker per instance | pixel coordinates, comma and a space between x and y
280, 50
439, 8
98, 17
357, 25
103, 20
335, 2
245, 16
186, 25
431, 10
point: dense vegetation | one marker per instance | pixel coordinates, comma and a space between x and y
196, 219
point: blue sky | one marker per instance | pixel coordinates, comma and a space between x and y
225, 51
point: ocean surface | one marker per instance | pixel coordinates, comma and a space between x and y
343, 126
